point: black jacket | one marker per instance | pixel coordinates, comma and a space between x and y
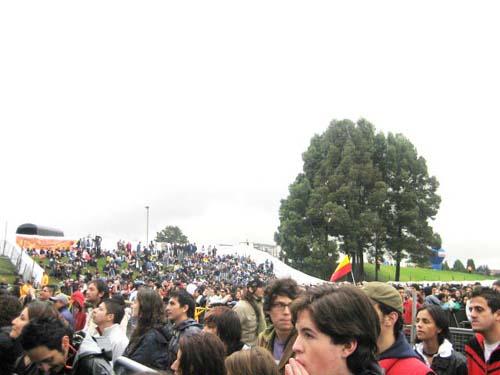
456, 364
10, 350
151, 351
188, 327
448, 361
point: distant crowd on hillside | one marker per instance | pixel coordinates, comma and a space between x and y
178, 311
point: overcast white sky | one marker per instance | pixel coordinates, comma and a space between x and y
202, 110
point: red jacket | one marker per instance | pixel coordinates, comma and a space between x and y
400, 358
407, 366
408, 309
474, 351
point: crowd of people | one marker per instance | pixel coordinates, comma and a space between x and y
198, 313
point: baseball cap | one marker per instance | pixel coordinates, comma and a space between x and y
384, 293
60, 297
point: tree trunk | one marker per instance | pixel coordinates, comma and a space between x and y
376, 262
398, 254
398, 265
361, 259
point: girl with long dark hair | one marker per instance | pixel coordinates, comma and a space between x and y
149, 340
433, 345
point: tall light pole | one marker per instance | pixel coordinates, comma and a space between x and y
147, 226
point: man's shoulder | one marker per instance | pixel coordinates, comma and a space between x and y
409, 365
93, 364
476, 344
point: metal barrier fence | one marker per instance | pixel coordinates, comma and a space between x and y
458, 336
25, 266
126, 366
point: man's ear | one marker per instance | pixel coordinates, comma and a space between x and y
391, 318
65, 343
185, 308
496, 315
349, 348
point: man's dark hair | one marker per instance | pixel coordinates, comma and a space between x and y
52, 288
184, 299
492, 297
228, 327
101, 287
119, 299
280, 287
386, 310
113, 307
10, 307
47, 332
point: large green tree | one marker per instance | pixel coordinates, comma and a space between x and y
354, 196
171, 234
413, 203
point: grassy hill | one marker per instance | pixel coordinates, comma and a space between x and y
386, 273
7, 270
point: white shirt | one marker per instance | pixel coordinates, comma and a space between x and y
117, 338
488, 349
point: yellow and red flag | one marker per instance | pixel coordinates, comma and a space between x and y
342, 269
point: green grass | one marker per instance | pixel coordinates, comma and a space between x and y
7, 270
101, 262
386, 273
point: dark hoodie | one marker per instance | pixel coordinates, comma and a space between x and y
400, 358
188, 327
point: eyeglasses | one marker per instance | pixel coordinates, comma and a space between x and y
281, 306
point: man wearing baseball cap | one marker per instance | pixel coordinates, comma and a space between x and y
61, 303
251, 312
395, 353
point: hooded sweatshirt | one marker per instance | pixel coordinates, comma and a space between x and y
400, 358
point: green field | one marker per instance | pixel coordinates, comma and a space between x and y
386, 273
7, 270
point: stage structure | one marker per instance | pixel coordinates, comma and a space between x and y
31, 236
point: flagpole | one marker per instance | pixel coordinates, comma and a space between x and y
352, 274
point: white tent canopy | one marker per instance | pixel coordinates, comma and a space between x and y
280, 269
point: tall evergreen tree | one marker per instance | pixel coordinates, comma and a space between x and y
363, 192
413, 201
